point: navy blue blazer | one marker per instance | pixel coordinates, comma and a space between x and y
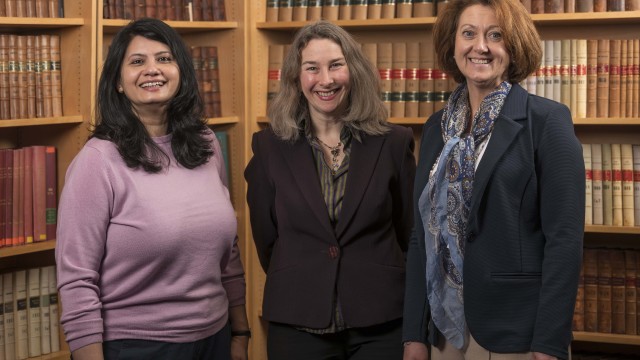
524, 247
305, 258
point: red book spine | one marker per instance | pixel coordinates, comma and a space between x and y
28, 194
52, 191
39, 193
3, 196
8, 204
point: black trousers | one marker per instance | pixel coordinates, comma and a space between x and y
379, 342
215, 347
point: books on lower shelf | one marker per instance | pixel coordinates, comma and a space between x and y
28, 191
172, 10
206, 65
29, 301
33, 8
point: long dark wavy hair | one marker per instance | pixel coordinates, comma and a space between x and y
117, 122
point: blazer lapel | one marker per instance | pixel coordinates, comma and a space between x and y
301, 163
363, 159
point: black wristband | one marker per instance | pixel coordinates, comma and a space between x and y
246, 333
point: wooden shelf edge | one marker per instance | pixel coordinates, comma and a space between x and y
73, 119
9, 251
223, 120
612, 229
590, 18
606, 338
607, 121
113, 25
403, 23
31, 22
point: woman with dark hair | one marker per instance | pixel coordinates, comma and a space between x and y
329, 194
147, 255
494, 259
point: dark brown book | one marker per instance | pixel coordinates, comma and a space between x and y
604, 291
219, 10
10, 8
569, 6
388, 9
51, 201
537, 6
27, 195
423, 8
590, 263
196, 8
207, 10
615, 5
45, 69
599, 5
170, 9
554, 6
23, 100
108, 9
618, 274
527, 5
150, 7
4, 77
161, 10
603, 79
54, 9
30, 8
31, 77
14, 92
578, 310
139, 9
56, 76
614, 77
38, 76
128, 9
39, 193
180, 11
206, 88
632, 5
3, 9
213, 78
630, 295
584, 6
21, 8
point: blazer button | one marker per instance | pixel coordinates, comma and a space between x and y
334, 252
471, 237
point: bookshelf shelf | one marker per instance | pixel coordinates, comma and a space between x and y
377, 24
9, 251
612, 229
607, 121
23, 23
74, 119
111, 26
592, 18
606, 338
223, 120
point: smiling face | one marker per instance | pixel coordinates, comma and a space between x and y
480, 51
324, 79
149, 76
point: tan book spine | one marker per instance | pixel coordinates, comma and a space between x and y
596, 184
10, 8
604, 291
629, 99
570, 6
440, 5
602, 110
345, 10
630, 292
53, 310
4, 77
45, 69
42, 8
623, 78
632, 5
574, 77
30, 8
54, 12
374, 9
425, 78
588, 172
618, 274
31, 77
599, 5
592, 77
14, 92
404, 9
56, 76
615, 5
537, 6
548, 64
607, 190
300, 10
423, 8
34, 312
314, 10
359, 9
441, 89
616, 183
626, 158
276, 56
555, 72
584, 6
527, 5
21, 8
45, 313
636, 78
411, 95
21, 317
23, 101
388, 10
330, 10
38, 73
554, 6
565, 72
384, 62
398, 80
614, 78
285, 10
272, 10
581, 91
370, 51
541, 73
578, 310
590, 264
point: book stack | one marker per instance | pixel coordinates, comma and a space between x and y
205, 62
170, 10
608, 300
32, 8
30, 76
594, 78
571, 6
332, 10
612, 176
29, 299
28, 194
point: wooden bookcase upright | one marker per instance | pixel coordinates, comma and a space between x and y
68, 132
612, 25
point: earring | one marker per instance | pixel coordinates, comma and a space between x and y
120, 89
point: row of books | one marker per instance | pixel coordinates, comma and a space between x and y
570, 6
608, 293
205, 62
30, 76
411, 84
32, 8
27, 195
180, 10
612, 176
29, 319
594, 78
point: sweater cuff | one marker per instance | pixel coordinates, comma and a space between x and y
84, 341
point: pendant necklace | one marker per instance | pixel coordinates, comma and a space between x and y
335, 152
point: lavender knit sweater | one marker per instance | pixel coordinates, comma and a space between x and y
145, 256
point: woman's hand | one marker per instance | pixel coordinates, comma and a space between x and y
239, 348
415, 351
541, 356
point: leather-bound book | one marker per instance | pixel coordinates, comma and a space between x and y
56, 76
599, 5
10, 8
314, 10
150, 7
300, 10
537, 6
425, 78
604, 290
630, 292
618, 273
45, 69
30, 8
276, 56
51, 200
128, 7
602, 109
14, 93
31, 76
359, 9
554, 6
412, 90
139, 8
374, 9
388, 10
398, 81
614, 77
4, 77
39, 193
570, 6
207, 10
404, 8
21, 8
219, 10
632, 5
285, 10
272, 10
38, 71
196, 8
170, 7
118, 9
592, 77
584, 6
423, 8
615, 5
384, 62
161, 10
330, 10
578, 310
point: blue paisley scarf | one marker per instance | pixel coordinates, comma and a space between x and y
445, 204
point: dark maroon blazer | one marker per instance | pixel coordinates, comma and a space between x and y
305, 258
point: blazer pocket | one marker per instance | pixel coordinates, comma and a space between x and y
516, 276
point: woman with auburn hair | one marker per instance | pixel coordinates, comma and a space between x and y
494, 258
329, 194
